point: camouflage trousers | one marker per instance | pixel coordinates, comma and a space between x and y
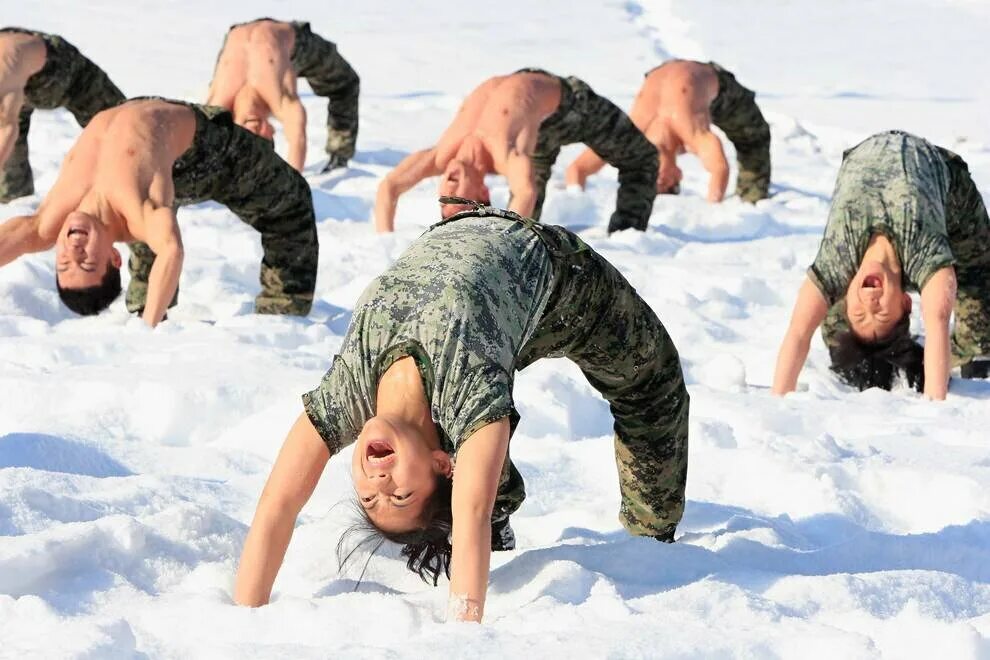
596, 319
969, 235
734, 111
584, 116
68, 80
232, 166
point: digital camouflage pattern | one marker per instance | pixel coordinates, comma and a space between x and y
584, 116
734, 111
330, 76
232, 166
486, 293
923, 198
68, 80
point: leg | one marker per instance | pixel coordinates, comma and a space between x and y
612, 135
16, 179
969, 233
266, 193
734, 111
91, 91
139, 266
547, 150
318, 61
597, 319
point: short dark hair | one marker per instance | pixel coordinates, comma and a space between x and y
92, 299
876, 364
427, 549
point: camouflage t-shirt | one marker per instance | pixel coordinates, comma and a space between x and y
893, 184
462, 301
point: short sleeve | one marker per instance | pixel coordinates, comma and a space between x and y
334, 407
483, 396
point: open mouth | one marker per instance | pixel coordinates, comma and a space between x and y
379, 452
872, 282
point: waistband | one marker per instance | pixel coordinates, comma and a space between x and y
566, 93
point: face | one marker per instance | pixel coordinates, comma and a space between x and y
875, 302
395, 473
83, 250
461, 180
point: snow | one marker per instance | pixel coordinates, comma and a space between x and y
829, 523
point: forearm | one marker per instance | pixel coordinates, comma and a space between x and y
162, 284
717, 184
470, 565
19, 236
523, 202
790, 360
8, 138
264, 550
297, 152
937, 359
385, 204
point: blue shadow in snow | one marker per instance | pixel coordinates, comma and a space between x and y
55, 454
340, 207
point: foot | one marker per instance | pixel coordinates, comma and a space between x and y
978, 368
335, 162
503, 538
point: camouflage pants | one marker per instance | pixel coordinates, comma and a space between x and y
734, 111
318, 61
68, 80
969, 235
234, 167
590, 119
596, 319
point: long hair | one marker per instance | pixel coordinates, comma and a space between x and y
427, 548
875, 364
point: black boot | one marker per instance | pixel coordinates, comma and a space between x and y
978, 368
334, 163
503, 538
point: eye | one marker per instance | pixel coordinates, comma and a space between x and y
367, 500
400, 498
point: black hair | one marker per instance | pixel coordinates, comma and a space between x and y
92, 299
427, 548
877, 364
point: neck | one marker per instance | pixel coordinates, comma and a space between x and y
94, 205
882, 250
401, 398
473, 152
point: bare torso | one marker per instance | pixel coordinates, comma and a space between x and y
501, 116
672, 107
120, 164
254, 68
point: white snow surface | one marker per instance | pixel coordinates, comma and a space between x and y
829, 523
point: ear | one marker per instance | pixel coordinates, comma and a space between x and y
115, 259
441, 462
907, 303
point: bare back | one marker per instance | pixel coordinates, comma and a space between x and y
504, 113
121, 163
255, 64
21, 56
672, 107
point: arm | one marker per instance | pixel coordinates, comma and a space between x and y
10, 108
479, 466
520, 177
809, 312
709, 150
21, 235
292, 114
290, 485
585, 165
937, 300
414, 168
165, 241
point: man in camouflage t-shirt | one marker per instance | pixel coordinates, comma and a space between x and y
482, 295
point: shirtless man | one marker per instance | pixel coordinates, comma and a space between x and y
675, 108
129, 170
255, 78
515, 125
39, 70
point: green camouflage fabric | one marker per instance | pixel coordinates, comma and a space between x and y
486, 293
922, 197
734, 111
330, 76
232, 166
68, 80
584, 116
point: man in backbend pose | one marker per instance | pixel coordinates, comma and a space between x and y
675, 108
515, 125
39, 70
255, 78
122, 181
